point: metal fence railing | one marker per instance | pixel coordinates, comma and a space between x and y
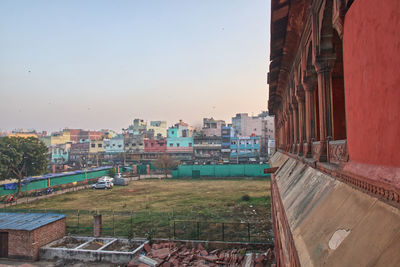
162, 225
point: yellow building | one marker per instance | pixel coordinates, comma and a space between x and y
23, 135
96, 146
60, 138
159, 128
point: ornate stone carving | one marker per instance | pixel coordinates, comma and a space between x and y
315, 148
338, 16
337, 151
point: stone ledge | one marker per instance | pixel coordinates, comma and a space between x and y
314, 206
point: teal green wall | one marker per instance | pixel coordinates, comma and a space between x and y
67, 179
241, 170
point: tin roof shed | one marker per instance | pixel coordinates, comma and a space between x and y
27, 221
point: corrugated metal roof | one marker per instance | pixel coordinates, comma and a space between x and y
26, 221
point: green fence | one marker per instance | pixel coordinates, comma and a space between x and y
226, 170
163, 225
55, 181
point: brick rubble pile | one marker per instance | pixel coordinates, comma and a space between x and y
171, 255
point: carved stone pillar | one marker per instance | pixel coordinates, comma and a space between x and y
301, 113
338, 12
290, 129
324, 69
276, 132
287, 133
295, 126
308, 85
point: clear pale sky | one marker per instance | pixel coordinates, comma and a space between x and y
100, 64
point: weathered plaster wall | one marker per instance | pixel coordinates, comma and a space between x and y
371, 47
330, 223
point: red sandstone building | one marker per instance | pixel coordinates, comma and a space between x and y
22, 234
334, 90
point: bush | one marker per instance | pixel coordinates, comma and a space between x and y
245, 197
111, 172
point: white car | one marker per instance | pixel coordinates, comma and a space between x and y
102, 185
106, 179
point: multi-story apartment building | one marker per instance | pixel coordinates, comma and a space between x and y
59, 138
114, 149
79, 135
245, 148
180, 141
155, 145
114, 145
133, 146
227, 133
207, 148
154, 148
59, 154
246, 125
159, 128
268, 135
138, 126
79, 154
96, 151
212, 127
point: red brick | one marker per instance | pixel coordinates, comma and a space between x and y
147, 247
203, 253
211, 258
26, 244
161, 253
260, 258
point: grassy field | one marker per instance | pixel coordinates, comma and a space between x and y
157, 204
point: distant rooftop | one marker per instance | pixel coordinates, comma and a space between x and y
26, 221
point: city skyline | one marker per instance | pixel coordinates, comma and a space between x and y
99, 64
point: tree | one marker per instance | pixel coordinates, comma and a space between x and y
166, 163
21, 157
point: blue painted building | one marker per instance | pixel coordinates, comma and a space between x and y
245, 147
226, 134
59, 154
114, 145
180, 141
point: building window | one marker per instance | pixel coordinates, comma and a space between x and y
171, 144
177, 144
190, 144
99, 145
152, 144
93, 145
